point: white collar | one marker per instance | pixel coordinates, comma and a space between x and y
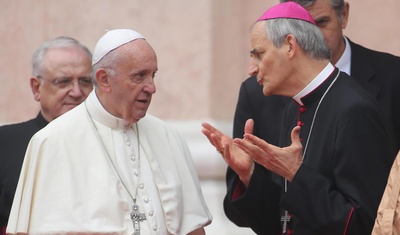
101, 115
320, 78
344, 62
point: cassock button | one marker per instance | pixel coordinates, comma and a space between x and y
151, 213
133, 159
128, 143
303, 109
141, 186
300, 123
146, 200
155, 228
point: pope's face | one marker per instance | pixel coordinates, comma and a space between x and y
268, 63
133, 86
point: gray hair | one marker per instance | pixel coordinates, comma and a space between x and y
335, 4
108, 62
58, 42
308, 36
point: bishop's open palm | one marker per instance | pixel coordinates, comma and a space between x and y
235, 157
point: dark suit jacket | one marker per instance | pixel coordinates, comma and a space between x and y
379, 74
14, 140
376, 72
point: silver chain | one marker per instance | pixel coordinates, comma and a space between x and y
109, 157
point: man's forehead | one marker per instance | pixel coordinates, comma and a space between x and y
320, 9
258, 26
258, 30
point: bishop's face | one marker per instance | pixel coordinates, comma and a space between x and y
133, 85
268, 63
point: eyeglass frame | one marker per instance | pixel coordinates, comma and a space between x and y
67, 82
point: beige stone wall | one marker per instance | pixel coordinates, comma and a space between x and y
202, 46
203, 51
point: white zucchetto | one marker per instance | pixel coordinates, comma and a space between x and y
112, 40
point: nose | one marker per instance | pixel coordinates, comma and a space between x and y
75, 91
253, 69
149, 86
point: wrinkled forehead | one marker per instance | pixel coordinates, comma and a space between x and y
139, 49
259, 30
137, 55
66, 57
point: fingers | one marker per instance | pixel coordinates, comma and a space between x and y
214, 136
217, 143
226, 154
295, 136
254, 140
211, 129
296, 146
246, 144
207, 133
249, 126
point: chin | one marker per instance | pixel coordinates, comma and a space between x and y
137, 117
66, 109
266, 92
70, 106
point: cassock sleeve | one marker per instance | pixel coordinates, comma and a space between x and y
249, 209
258, 206
243, 112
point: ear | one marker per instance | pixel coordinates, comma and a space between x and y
345, 14
35, 87
102, 79
291, 45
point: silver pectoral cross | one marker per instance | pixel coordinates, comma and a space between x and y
136, 217
285, 219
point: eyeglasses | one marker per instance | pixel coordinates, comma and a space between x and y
85, 83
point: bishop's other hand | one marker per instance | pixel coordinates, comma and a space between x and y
282, 161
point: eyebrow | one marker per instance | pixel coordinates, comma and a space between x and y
254, 51
321, 18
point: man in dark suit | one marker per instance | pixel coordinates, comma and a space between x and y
376, 72
61, 79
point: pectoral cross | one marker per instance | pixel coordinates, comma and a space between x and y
136, 217
285, 219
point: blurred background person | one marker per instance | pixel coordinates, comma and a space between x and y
387, 220
61, 79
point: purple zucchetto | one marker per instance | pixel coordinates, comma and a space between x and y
288, 10
112, 40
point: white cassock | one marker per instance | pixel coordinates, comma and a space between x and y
68, 184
